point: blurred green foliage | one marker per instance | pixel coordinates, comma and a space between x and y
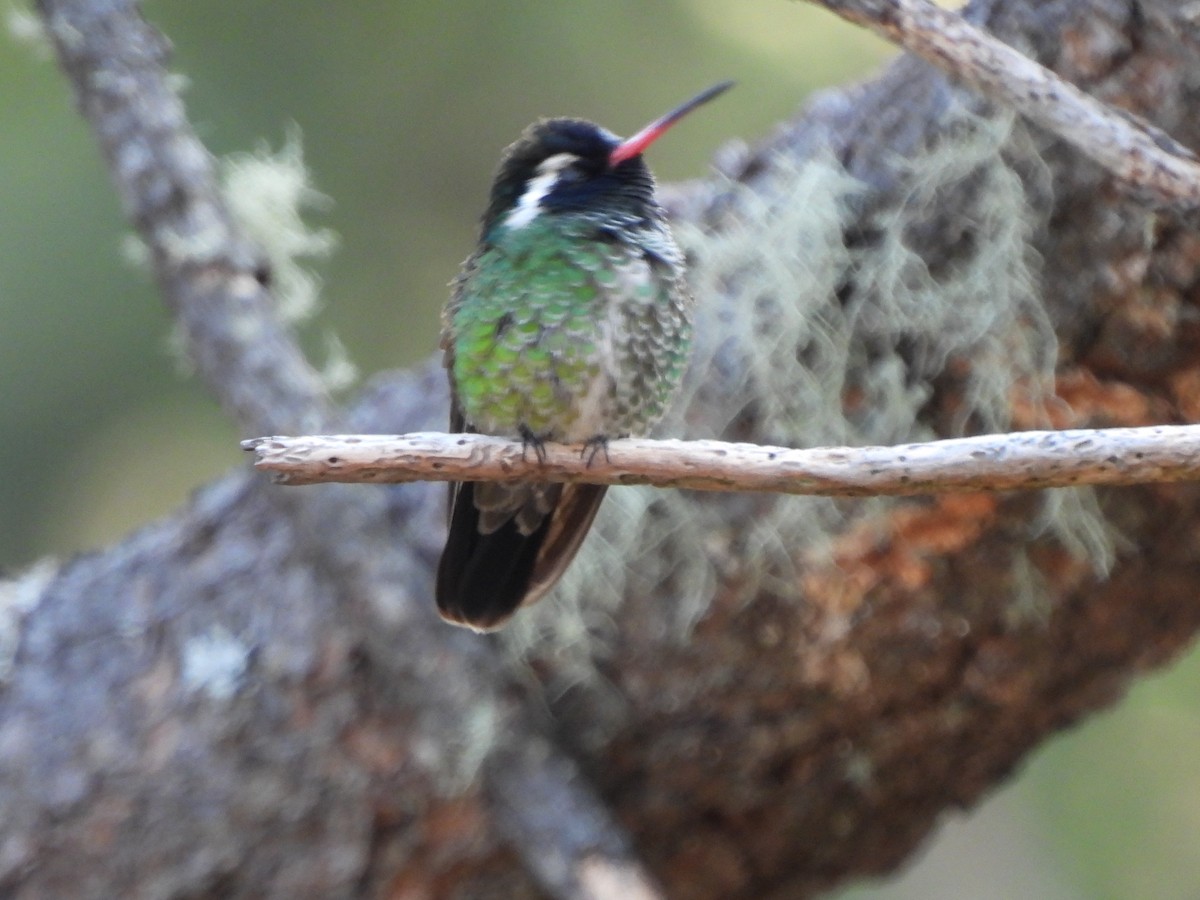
404, 109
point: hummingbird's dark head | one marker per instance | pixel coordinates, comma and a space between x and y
563, 165
573, 165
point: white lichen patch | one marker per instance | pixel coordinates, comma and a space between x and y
18, 598
268, 195
456, 757
338, 371
214, 663
26, 29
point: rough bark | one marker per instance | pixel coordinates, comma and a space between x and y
253, 697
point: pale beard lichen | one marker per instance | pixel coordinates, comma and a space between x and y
804, 338
268, 194
26, 29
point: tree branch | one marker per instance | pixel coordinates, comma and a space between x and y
1143, 157
852, 695
215, 282
568, 840
219, 288
1019, 461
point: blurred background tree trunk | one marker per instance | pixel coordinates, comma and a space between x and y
752, 696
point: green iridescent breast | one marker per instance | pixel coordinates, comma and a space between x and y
570, 336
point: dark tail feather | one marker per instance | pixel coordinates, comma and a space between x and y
484, 578
569, 524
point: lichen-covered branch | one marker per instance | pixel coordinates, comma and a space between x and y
763, 696
1144, 157
218, 286
1020, 461
216, 283
544, 808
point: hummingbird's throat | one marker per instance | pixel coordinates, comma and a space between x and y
529, 204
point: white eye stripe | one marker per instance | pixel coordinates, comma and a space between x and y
556, 163
526, 208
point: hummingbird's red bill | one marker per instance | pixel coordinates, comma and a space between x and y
636, 145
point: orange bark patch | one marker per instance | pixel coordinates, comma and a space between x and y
1092, 403
898, 551
1185, 391
378, 749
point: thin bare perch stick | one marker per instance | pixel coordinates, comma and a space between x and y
1021, 460
1140, 155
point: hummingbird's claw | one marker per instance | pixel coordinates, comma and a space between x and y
594, 445
529, 439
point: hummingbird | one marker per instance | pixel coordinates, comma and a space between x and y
570, 322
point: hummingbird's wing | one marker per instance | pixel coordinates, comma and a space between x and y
508, 545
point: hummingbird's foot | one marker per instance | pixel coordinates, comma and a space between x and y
594, 445
529, 439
